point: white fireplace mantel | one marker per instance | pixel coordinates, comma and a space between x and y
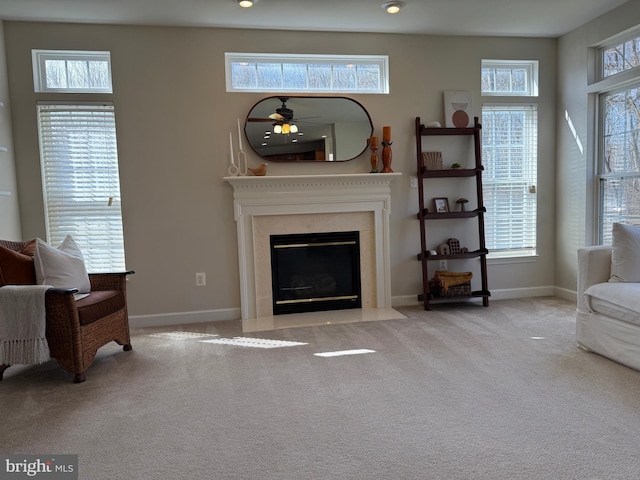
306, 195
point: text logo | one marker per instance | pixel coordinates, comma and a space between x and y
50, 467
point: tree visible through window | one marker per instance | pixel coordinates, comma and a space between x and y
252, 72
619, 160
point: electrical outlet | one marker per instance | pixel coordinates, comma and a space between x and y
201, 279
442, 265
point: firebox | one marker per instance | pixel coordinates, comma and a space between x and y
315, 271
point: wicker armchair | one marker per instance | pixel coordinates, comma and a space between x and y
75, 330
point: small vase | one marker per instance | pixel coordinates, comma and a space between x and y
386, 157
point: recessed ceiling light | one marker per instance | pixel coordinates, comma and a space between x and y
393, 7
246, 3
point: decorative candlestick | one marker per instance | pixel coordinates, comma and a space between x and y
386, 157
233, 169
373, 145
242, 157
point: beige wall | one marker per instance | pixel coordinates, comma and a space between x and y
575, 220
9, 212
173, 120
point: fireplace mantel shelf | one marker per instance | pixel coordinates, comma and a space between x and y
298, 196
304, 181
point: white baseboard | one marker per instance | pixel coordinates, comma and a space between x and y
504, 294
181, 318
203, 316
570, 295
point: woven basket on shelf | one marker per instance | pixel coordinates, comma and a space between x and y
450, 284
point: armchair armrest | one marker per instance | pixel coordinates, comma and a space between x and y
109, 280
61, 291
594, 266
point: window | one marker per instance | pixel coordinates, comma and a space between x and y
510, 140
71, 71
510, 157
619, 57
618, 134
255, 72
506, 77
80, 178
619, 159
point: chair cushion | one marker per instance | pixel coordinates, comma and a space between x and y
98, 304
16, 268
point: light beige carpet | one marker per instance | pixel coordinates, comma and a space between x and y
461, 392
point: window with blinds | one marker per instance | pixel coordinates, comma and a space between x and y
80, 178
509, 150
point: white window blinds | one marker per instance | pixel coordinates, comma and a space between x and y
80, 178
510, 139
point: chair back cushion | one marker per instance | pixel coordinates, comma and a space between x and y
61, 267
16, 263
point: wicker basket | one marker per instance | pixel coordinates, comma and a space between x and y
450, 284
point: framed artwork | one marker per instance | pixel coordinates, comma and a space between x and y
441, 204
458, 109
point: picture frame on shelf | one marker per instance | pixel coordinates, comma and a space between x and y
458, 109
441, 204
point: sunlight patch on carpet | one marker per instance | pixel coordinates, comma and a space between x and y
181, 335
344, 352
253, 342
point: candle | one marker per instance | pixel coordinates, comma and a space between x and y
239, 137
386, 134
231, 148
374, 142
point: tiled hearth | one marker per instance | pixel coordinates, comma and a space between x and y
270, 205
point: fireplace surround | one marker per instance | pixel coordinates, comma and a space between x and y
276, 205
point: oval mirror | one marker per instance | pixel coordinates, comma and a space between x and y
308, 129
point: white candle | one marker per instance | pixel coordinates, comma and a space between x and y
239, 137
231, 147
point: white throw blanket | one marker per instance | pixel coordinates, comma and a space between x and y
23, 324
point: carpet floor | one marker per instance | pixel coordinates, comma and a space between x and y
460, 392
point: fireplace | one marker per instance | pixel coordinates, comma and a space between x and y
281, 205
313, 272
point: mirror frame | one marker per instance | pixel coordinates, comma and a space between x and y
310, 117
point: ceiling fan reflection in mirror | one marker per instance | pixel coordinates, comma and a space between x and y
282, 119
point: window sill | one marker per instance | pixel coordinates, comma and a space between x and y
503, 259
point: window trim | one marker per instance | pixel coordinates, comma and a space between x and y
330, 59
40, 57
